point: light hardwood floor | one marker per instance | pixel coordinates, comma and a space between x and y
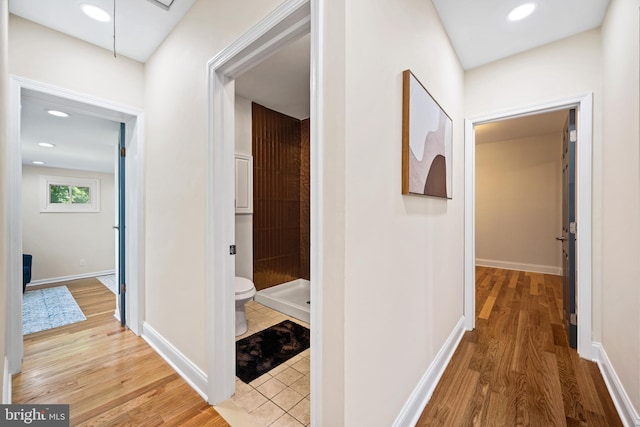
109, 376
516, 368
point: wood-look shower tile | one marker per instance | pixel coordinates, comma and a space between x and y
279, 170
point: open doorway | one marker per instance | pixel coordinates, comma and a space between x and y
69, 200
290, 21
272, 126
525, 205
519, 194
583, 106
72, 103
272, 233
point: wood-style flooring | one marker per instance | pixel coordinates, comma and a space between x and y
516, 368
108, 375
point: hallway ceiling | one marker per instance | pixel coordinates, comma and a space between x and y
480, 32
141, 26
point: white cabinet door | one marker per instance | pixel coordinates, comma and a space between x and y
244, 184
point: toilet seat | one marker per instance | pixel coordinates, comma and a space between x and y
244, 286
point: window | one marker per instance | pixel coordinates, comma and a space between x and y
61, 194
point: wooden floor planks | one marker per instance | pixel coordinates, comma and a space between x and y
109, 376
516, 368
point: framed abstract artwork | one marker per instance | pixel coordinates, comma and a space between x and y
426, 142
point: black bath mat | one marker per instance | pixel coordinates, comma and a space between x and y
264, 350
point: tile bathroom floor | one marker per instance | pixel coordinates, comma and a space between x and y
281, 396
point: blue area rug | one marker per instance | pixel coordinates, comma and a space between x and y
49, 308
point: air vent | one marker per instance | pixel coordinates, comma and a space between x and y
164, 4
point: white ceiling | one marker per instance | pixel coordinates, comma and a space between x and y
140, 25
281, 82
478, 31
83, 142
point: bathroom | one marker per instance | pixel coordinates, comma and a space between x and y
272, 228
272, 180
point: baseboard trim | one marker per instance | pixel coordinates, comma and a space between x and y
627, 412
193, 375
508, 265
67, 278
6, 383
420, 396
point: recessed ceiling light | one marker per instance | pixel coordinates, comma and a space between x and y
58, 113
521, 12
96, 13
46, 144
37, 162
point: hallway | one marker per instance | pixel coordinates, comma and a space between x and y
516, 367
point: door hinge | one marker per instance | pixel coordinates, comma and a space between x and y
232, 250
573, 319
573, 136
123, 288
123, 152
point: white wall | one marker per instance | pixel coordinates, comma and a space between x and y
244, 222
176, 168
403, 255
59, 240
567, 68
330, 274
45, 55
4, 187
621, 194
519, 203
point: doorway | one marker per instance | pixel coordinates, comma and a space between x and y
525, 201
288, 22
584, 107
72, 102
518, 193
69, 201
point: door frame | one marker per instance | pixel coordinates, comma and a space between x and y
98, 107
121, 225
289, 21
584, 153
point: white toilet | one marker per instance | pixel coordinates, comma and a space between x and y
245, 291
